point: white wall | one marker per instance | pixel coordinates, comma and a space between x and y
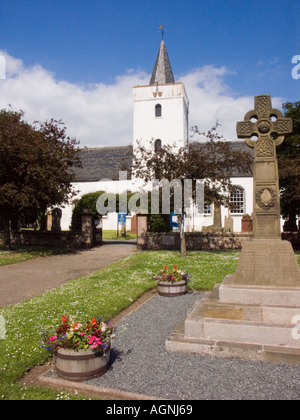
197, 221
194, 223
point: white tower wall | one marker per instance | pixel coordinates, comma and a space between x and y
172, 126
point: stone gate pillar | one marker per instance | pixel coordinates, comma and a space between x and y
142, 229
88, 229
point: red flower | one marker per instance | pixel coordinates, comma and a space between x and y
64, 319
175, 267
165, 267
94, 322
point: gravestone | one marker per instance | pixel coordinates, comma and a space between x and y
228, 225
56, 218
216, 227
254, 312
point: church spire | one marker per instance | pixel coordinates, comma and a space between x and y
162, 72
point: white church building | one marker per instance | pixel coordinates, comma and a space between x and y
160, 117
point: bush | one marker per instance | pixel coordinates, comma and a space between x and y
87, 203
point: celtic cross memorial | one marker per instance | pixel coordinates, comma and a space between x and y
251, 314
264, 129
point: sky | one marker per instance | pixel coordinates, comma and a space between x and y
78, 60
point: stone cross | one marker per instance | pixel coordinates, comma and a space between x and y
263, 129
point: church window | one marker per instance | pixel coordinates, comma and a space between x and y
157, 145
158, 110
206, 209
237, 197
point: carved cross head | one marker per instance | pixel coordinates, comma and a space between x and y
264, 124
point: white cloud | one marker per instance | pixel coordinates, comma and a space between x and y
101, 115
97, 115
211, 100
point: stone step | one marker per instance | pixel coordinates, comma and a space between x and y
240, 331
258, 295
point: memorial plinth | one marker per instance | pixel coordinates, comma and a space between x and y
254, 313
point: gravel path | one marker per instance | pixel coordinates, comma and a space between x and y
140, 363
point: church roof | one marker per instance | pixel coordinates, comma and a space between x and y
103, 163
162, 72
106, 162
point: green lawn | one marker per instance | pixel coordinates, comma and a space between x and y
106, 293
113, 234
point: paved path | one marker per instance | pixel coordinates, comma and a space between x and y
27, 279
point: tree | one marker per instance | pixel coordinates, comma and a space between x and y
213, 162
289, 168
36, 164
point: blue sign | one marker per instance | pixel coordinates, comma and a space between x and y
122, 218
174, 220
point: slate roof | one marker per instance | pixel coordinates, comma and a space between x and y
103, 162
162, 72
241, 146
106, 162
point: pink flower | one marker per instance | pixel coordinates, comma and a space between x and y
94, 341
52, 338
91, 339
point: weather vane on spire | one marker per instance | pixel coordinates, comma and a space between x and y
161, 28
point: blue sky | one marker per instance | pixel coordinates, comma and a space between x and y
235, 49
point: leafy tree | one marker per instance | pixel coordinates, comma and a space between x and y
36, 167
212, 161
289, 168
87, 203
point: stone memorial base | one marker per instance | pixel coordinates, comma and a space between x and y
254, 321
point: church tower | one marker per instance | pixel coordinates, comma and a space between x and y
161, 108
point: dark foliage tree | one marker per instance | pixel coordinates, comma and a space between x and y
213, 161
36, 167
289, 168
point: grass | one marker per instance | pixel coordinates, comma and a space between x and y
106, 293
24, 253
113, 234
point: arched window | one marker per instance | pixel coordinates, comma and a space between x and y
157, 145
237, 198
158, 112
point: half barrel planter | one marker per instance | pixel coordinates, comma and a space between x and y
81, 365
169, 289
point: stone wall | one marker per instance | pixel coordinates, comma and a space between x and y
86, 238
197, 241
208, 241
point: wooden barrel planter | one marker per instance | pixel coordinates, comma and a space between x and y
81, 365
169, 289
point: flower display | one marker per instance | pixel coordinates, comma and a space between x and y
70, 334
171, 275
